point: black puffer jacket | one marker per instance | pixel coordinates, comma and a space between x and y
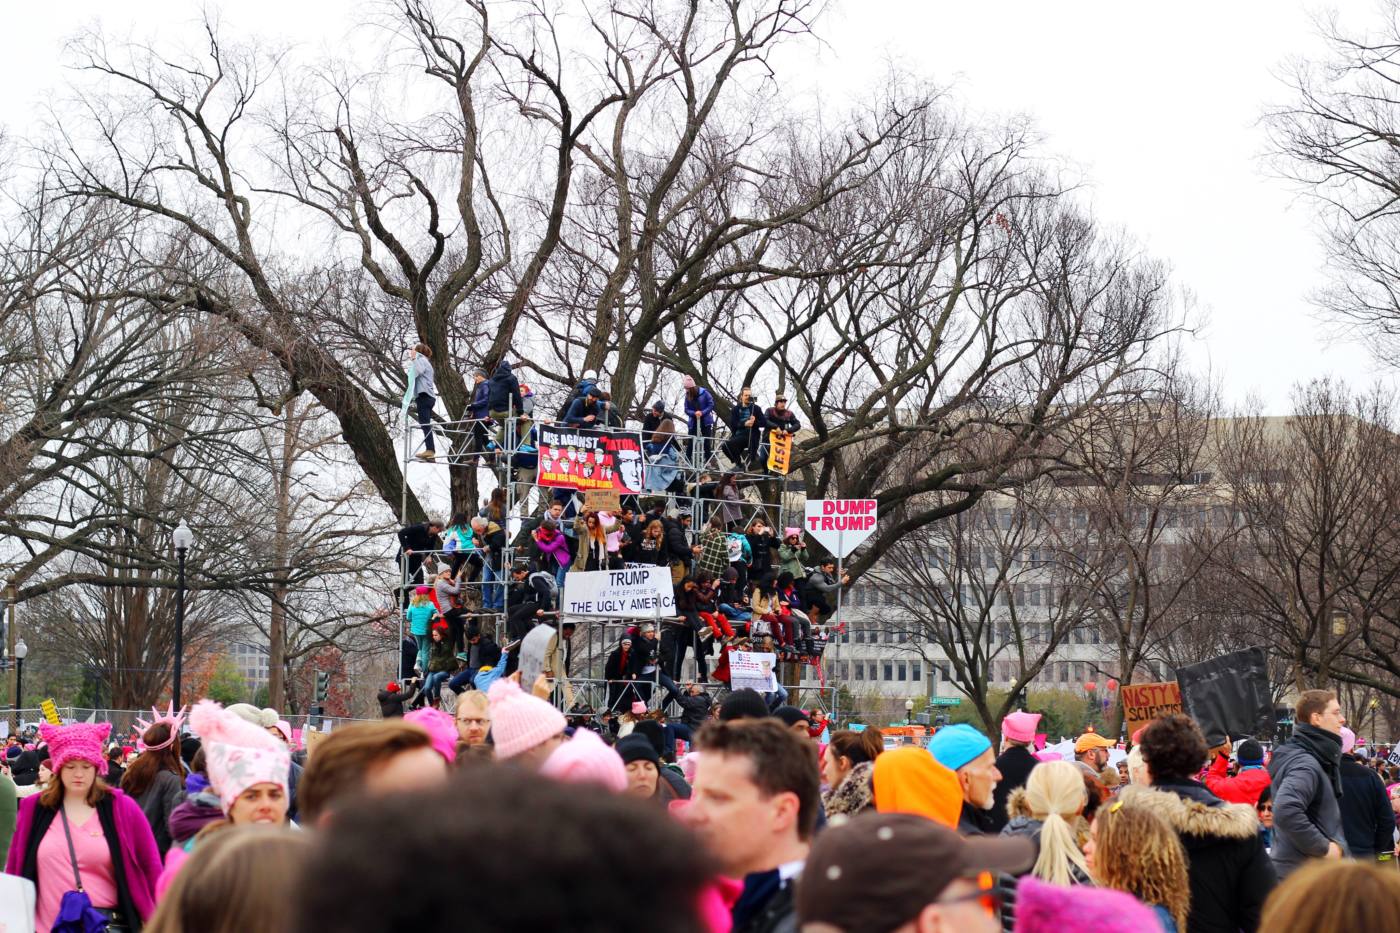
503, 391
1231, 874
1367, 819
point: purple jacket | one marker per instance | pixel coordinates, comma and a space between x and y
557, 547
140, 857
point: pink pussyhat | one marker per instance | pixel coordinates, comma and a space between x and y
1348, 740
639, 708
519, 720
440, 727
81, 741
1020, 726
237, 753
792, 533
585, 759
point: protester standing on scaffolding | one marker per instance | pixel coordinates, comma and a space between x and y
746, 426
424, 395
700, 412
478, 410
503, 399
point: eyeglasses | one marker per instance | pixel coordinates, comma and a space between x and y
473, 722
986, 895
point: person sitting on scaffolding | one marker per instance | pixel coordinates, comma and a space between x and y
424, 395
663, 472
586, 382
792, 603
746, 426
781, 419
503, 400
531, 599
712, 553
587, 411
700, 415
707, 606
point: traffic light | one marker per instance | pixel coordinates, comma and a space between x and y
323, 685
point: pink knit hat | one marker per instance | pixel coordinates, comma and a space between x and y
792, 533
440, 726
81, 741
1046, 908
237, 753
639, 708
1020, 726
520, 721
585, 759
688, 382
1348, 740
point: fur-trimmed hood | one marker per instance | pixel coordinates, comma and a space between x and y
1195, 817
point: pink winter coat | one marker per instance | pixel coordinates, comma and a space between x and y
140, 855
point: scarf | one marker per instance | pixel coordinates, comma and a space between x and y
1326, 747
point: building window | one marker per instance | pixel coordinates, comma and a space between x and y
903, 671
860, 671
889, 670
916, 671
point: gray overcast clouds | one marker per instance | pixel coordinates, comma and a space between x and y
1156, 104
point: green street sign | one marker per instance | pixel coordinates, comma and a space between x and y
945, 701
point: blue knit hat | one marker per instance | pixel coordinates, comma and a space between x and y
956, 745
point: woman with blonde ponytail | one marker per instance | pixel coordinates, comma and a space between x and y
1048, 811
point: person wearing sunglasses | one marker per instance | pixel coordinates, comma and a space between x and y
899, 871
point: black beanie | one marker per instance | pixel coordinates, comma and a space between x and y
1250, 752
743, 704
790, 715
635, 747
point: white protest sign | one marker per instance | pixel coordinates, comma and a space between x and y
753, 669
633, 593
532, 652
1393, 758
840, 525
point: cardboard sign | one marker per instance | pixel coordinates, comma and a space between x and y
1143, 703
313, 738
602, 500
581, 458
753, 669
50, 713
1393, 758
639, 593
840, 525
779, 452
1229, 696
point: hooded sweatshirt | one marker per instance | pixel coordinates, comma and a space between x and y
503, 391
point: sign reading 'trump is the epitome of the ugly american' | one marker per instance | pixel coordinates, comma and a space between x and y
634, 593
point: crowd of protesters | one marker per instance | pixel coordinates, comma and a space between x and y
737, 583
537, 822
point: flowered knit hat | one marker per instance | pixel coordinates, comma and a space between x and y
81, 741
520, 721
238, 754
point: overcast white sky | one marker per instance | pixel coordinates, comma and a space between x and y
1158, 103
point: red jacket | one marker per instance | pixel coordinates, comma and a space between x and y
1243, 788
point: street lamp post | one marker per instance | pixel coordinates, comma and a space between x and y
184, 538
908, 712
21, 652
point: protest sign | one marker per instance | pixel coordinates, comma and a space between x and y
633, 593
1229, 696
50, 713
602, 500
580, 458
840, 525
1143, 703
313, 738
1393, 758
780, 452
532, 653
754, 670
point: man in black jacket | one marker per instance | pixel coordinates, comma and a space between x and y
1229, 870
746, 427
415, 543
503, 397
1367, 820
1015, 762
